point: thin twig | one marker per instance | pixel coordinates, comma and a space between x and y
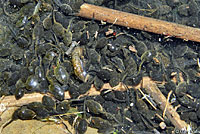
139, 22
168, 97
144, 95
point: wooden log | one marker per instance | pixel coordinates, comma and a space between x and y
139, 22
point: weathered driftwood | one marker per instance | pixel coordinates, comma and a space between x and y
139, 22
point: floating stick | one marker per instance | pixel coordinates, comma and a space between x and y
139, 22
